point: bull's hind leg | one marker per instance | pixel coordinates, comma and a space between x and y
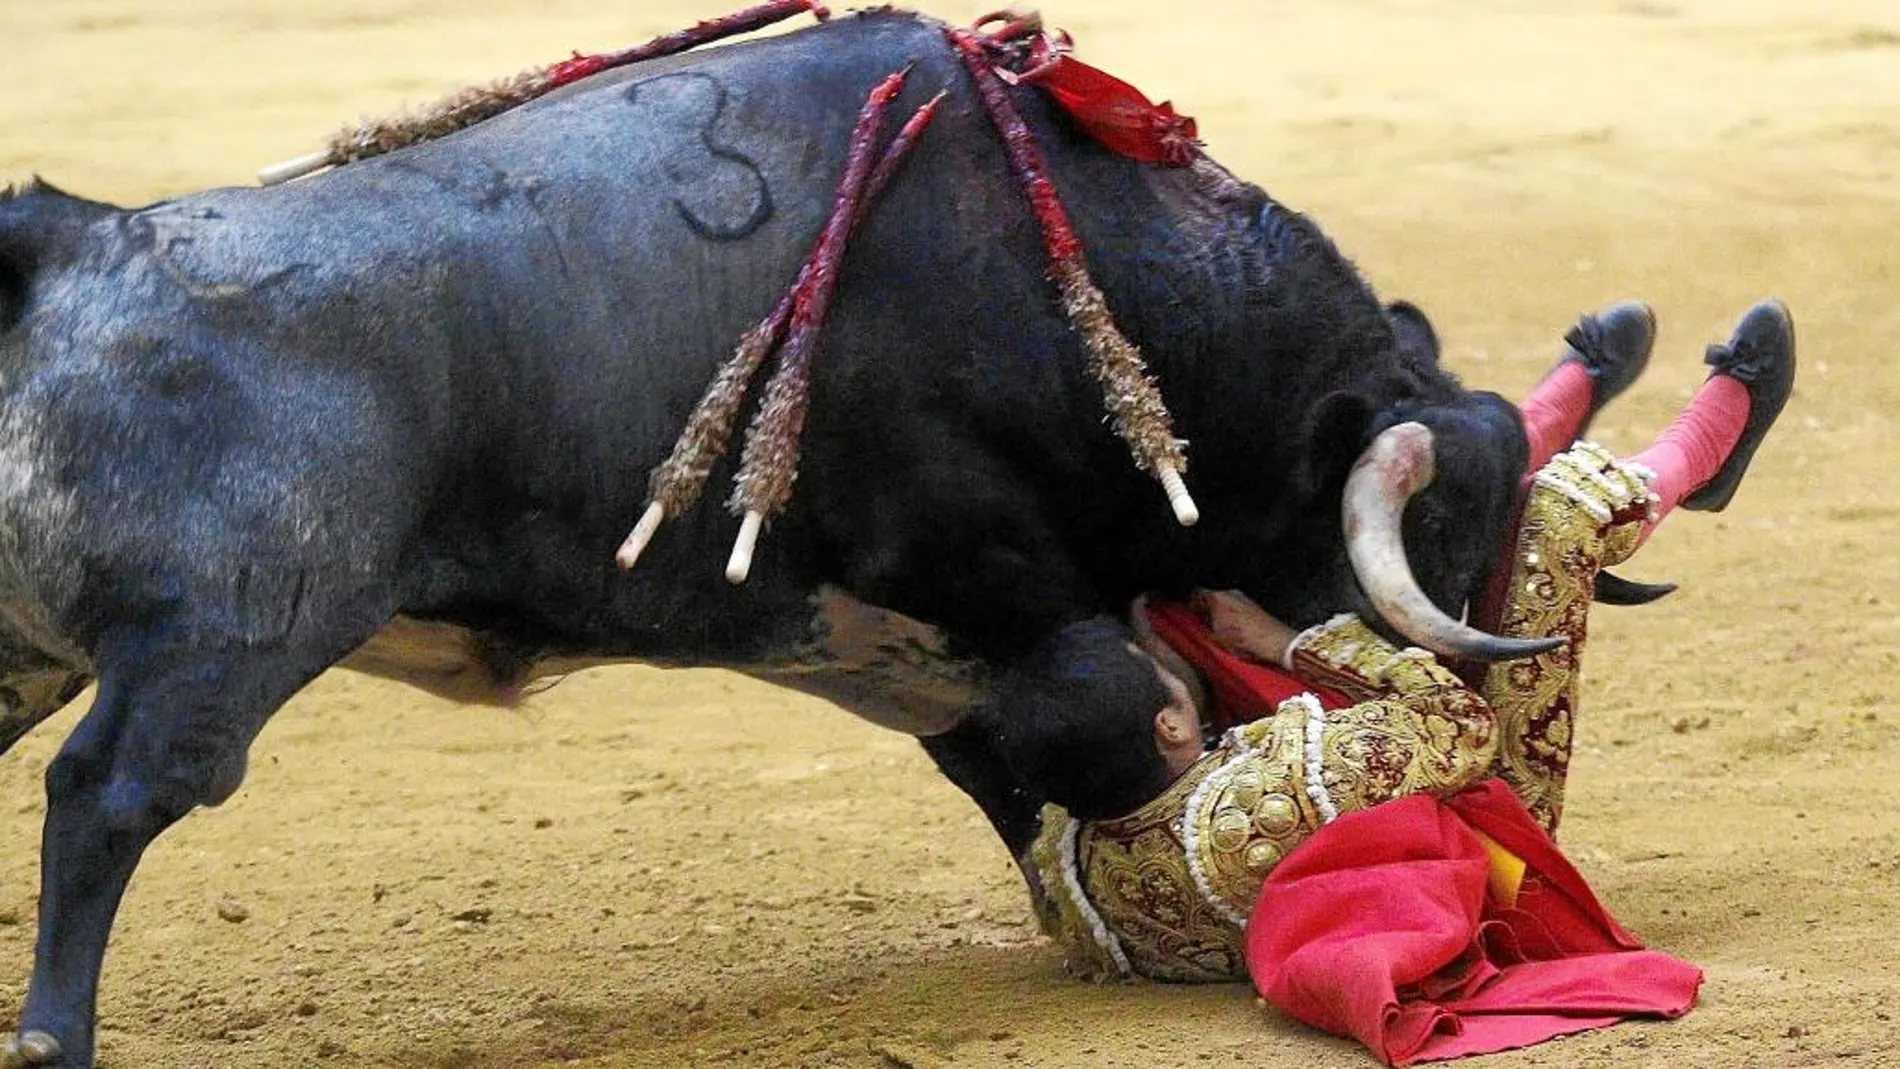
168, 732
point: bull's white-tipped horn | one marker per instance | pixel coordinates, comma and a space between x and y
740, 564
279, 173
1186, 512
1395, 466
643, 532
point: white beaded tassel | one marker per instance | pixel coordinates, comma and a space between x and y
1316, 758
1072, 883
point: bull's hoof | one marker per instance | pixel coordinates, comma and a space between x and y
29, 1049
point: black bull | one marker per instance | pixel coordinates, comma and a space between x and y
245, 431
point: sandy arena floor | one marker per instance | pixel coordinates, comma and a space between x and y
647, 869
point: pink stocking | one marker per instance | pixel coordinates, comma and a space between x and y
1695, 446
1555, 410
1686, 456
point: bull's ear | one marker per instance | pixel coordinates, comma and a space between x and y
1418, 340
1337, 431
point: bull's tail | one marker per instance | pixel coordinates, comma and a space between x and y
41, 230
40, 227
14, 726
26, 698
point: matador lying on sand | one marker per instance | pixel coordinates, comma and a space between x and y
1367, 837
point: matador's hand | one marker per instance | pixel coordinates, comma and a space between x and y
1244, 628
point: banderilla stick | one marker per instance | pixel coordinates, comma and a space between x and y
467, 107
675, 484
770, 462
1134, 400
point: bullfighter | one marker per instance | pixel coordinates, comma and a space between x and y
1178, 862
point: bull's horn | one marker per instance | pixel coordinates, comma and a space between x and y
1395, 466
1616, 590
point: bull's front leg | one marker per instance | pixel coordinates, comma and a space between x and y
168, 732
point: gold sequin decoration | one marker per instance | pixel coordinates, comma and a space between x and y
1136, 871
1255, 809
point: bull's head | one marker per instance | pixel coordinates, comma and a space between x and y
1424, 514
1397, 507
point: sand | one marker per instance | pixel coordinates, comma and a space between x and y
650, 869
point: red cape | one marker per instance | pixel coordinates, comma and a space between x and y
1379, 927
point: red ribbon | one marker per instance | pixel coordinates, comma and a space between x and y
1113, 112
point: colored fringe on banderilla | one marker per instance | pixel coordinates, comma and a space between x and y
1134, 401
467, 107
770, 461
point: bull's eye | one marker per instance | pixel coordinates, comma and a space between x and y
11, 698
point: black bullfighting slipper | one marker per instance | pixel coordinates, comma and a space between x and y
1613, 348
1760, 356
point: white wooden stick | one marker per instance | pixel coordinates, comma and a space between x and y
740, 565
279, 173
643, 532
1186, 512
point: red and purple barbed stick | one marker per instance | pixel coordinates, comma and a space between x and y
770, 461
1134, 400
675, 484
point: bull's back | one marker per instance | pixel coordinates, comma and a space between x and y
607, 246
612, 240
492, 337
